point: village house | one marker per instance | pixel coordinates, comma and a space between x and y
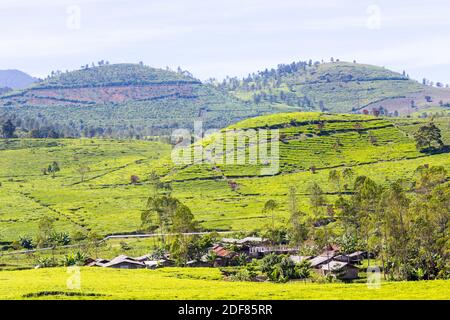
124, 262
318, 261
252, 240
342, 270
224, 256
355, 257
96, 262
153, 264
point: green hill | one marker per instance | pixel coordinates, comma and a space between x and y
336, 87
222, 197
125, 100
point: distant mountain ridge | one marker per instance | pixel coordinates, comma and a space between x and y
336, 87
114, 75
126, 100
15, 79
129, 100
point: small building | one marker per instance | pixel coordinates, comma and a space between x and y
229, 240
355, 257
341, 270
298, 259
331, 250
96, 263
197, 263
318, 261
153, 264
250, 240
124, 262
143, 258
224, 256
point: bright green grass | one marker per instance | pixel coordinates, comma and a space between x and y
196, 283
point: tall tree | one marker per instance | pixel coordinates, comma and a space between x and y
297, 229
8, 129
53, 168
317, 200
428, 136
269, 208
335, 177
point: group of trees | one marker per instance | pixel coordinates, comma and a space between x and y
11, 126
286, 97
47, 236
268, 78
174, 221
8, 129
402, 224
430, 83
280, 268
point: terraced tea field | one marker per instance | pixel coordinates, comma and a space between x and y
93, 189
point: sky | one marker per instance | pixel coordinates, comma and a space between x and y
216, 38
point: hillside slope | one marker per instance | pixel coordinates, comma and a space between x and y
336, 87
222, 197
126, 98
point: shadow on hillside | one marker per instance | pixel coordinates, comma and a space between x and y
433, 151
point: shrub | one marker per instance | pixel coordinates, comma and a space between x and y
45, 262
26, 242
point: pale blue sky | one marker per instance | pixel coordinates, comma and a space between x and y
233, 37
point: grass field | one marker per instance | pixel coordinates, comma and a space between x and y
195, 283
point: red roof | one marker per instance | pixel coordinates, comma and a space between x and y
221, 251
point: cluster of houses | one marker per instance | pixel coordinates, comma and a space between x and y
329, 261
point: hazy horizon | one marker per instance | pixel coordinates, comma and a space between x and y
231, 38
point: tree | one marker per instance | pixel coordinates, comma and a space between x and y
279, 268
8, 129
297, 229
182, 220
316, 200
53, 168
373, 139
366, 199
159, 211
348, 243
303, 270
269, 207
180, 248
334, 176
134, 179
45, 229
428, 136
429, 177
83, 170
394, 207
347, 174
94, 241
